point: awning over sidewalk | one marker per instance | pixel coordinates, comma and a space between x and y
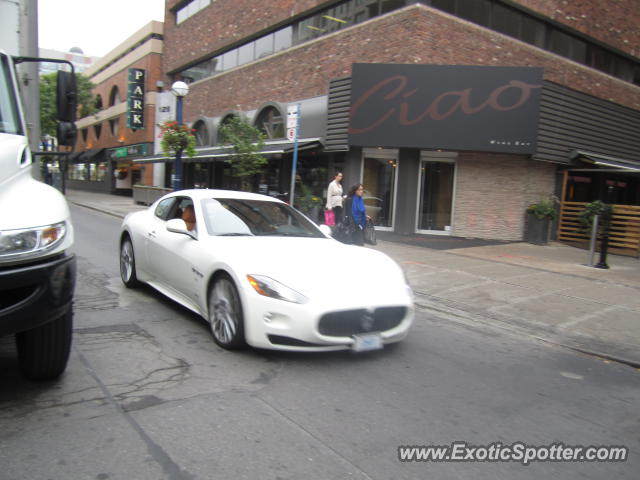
204, 154
605, 160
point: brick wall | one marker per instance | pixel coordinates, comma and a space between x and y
493, 191
415, 34
223, 23
614, 22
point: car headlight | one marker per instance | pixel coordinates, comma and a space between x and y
31, 240
269, 287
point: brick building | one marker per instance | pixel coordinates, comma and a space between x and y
109, 140
579, 60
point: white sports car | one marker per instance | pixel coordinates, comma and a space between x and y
262, 273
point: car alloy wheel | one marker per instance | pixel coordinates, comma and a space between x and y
128, 264
225, 314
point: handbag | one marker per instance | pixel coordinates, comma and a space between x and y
344, 229
329, 218
370, 233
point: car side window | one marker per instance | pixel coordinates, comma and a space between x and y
164, 208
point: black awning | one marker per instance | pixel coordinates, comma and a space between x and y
213, 153
73, 157
89, 155
605, 160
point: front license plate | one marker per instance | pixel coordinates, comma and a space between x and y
366, 342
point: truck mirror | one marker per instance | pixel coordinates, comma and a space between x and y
66, 97
67, 133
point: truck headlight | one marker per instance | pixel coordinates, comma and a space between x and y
31, 240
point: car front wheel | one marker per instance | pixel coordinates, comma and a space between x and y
225, 314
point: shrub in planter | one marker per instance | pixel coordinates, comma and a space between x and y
539, 218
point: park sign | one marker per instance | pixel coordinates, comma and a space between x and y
135, 99
450, 107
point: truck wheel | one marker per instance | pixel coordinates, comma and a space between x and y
128, 264
43, 352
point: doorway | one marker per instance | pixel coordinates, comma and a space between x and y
435, 200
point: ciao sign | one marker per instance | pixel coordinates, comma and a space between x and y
445, 107
135, 99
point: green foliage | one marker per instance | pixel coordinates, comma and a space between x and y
48, 114
305, 200
591, 210
546, 207
246, 142
174, 137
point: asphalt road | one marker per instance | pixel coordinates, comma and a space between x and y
148, 395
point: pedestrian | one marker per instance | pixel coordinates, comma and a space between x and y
334, 197
356, 214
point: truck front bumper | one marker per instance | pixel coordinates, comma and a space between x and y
34, 294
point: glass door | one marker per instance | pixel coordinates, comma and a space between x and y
379, 174
437, 171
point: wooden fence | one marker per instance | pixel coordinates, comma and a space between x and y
624, 234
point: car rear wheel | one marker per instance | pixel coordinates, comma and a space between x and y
128, 264
43, 352
225, 314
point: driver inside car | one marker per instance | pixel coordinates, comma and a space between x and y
189, 217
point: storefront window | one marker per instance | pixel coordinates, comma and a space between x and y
436, 191
379, 180
101, 172
93, 172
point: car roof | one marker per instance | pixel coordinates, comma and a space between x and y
204, 193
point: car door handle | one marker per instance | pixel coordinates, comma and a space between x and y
151, 234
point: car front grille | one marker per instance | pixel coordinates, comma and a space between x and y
352, 322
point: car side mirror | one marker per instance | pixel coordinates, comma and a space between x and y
177, 225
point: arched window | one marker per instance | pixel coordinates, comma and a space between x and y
114, 126
84, 132
114, 96
201, 133
270, 122
224, 120
97, 129
98, 102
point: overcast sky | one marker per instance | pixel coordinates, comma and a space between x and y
96, 26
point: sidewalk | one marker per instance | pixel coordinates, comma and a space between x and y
545, 292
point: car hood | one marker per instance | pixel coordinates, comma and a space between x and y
320, 269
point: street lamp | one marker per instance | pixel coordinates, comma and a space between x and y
180, 90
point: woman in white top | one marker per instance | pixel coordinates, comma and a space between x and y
334, 197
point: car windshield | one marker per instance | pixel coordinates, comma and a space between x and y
8, 109
241, 217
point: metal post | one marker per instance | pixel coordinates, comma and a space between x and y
177, 174
594, 236
295, 157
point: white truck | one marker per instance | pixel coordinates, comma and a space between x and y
37, 272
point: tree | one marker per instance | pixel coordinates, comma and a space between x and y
246, 141
86, 101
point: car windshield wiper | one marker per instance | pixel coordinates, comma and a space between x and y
234, 234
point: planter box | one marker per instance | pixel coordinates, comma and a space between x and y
537, 230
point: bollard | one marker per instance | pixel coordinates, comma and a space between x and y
594, 236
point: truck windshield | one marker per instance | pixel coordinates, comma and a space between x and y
9, 120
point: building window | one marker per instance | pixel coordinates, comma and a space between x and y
190, 9
271, 123
84, 132
114, 96
114, 125
379, 179
97, 129
201, 133
99, 102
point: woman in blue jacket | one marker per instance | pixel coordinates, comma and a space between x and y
357, 213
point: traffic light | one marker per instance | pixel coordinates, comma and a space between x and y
66, 97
